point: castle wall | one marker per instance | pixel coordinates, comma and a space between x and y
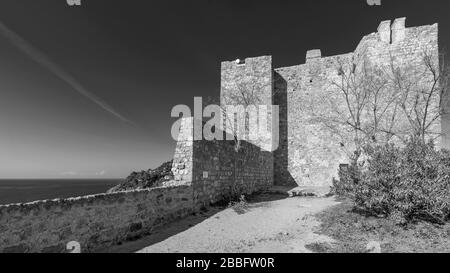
406, 49
250, 83
220, 172
215, 169
205, 172
95, 221
309, 153
253, 75
182, 165
311, 149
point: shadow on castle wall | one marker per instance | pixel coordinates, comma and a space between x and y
282, 176
220, 172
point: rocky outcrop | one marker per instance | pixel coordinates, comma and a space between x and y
146, 179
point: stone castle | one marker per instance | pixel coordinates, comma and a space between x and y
308, 154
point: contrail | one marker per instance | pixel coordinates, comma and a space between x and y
45, 61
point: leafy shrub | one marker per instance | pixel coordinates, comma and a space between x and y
349, 176
408, 184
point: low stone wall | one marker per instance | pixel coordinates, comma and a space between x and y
220, 171
95, 221
216, 170
205, 172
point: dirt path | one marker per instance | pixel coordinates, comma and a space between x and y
284, 225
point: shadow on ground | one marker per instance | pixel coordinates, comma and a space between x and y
162, 233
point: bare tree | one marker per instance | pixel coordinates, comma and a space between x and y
363, 110
245, 92
422, 94
384, 103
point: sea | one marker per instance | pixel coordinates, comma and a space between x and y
24, 191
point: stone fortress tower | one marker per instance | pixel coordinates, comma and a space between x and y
309, 154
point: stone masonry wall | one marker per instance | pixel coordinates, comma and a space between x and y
406, 49
95, 222
102, 220
250, 83
310, 153
183, 158
306, 153
205, 172
220, 171
215, 169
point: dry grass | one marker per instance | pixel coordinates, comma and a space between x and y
352, 231
241, 206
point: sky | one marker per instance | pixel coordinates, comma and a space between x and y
86, 91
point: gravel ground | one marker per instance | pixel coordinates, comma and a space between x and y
284, 225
